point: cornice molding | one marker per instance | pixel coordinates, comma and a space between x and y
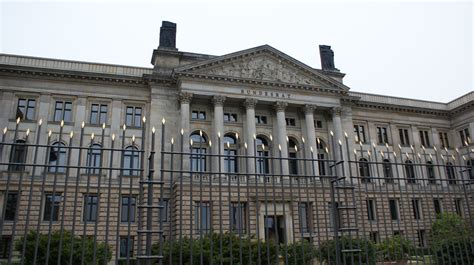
217, 78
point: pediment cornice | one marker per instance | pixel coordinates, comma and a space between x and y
264, 66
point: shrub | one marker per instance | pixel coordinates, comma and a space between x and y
395, 248
450, 240
367, 255
296, 251
28, 256
172, 250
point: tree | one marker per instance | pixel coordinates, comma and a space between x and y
66, 249
452, 240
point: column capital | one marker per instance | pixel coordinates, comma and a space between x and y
185, 97
309, 109
336, 111
280, 106
250, 103
218, 100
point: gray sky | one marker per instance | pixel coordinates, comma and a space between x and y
422, 50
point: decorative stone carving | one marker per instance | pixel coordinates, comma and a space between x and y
250, 103
280, 106
309, 108
327, 58
218, 100
262, 67
336, 111
185, 97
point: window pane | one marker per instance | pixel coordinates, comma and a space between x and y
51, 207
11, 206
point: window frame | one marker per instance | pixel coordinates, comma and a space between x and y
404, 136
371, 210
396, 209
99, 113
131, 207
27, 108
261, 119
199, 206
382, 134
238, 217
129, 247
200, 115
232, 117
56, 206
359, 130
63, 110
10, 211
424, 137
90, 206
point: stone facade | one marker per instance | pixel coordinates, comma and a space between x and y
220, 95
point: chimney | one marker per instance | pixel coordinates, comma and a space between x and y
327, 58
168, 35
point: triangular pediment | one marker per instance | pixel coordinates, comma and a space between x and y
263, 64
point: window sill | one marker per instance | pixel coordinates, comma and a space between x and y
97, 125
24, 121
70, 123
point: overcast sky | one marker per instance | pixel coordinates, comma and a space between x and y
422, 50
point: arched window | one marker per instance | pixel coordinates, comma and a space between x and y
387, 170
364, 170
230, 152
450, 173
131, 161
322, 165
94, 159
410, 172
262, 154
18, 156
470, 168
430, 171
198, 152
292, 156
57, 158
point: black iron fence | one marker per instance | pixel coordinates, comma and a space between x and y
80, 195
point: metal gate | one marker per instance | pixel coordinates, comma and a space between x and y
75, 195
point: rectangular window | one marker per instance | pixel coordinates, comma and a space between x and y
458, 205
437, 206
421, 238
382, 135
394, 209
198, 115
305, 217
63, 111
238, 213
230, 117
90, 208
198, 159
334, 217
11, 206
202, 217
371, 210
133, 116
126, 247
359, 132
443, 139
417, 214
259, 119
290, 122
374, 236
5, 245
465, 137
26, 109
164, 211
424, 138
404, 139
98, 114
51, 207
127, 210
230, 160
318, 124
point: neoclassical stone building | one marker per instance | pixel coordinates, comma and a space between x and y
265, 112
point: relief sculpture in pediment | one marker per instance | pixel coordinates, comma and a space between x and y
262, 68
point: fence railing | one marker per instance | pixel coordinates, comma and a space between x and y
86, 196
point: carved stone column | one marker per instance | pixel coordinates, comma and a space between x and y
185, 100
280, 107
250, 131
338, 135
310, 136
218, 128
